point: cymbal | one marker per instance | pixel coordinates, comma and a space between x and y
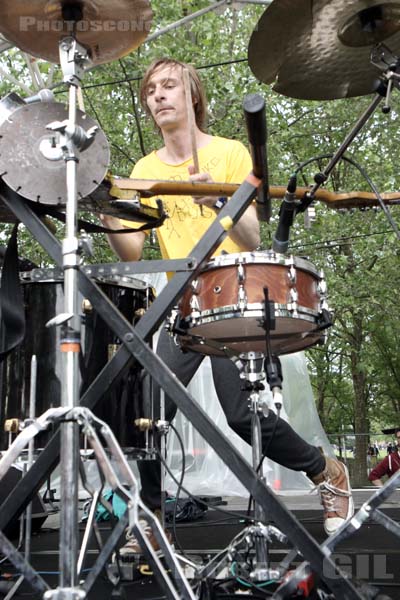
320, 49
109, 30
24, 168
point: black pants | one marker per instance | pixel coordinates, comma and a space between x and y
286, 447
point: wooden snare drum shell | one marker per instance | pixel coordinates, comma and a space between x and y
219, 287
210, 309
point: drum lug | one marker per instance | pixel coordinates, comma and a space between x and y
241, 273
194, 304
323, 305
292, 274
322, 288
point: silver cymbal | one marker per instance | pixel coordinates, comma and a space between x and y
24, 168
108, 29
320, 49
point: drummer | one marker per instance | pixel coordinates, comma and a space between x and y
225, 161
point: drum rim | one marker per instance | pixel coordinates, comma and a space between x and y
256, 309
262, 257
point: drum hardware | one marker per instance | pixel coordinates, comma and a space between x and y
321, 178
121, 480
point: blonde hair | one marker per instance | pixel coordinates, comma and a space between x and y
196, 87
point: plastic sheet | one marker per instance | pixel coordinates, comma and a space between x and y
205, 472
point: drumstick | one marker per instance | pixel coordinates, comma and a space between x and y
191, 122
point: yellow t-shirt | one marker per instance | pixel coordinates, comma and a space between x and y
227, 161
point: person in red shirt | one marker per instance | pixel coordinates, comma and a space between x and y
388, 466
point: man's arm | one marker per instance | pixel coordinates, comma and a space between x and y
246, 232
127, 246
378, 472
377, 482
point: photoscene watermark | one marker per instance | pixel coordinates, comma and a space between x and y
32, 24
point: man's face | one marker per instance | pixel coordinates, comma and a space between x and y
165, 97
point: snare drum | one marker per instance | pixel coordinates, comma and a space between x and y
43, 300
224, 307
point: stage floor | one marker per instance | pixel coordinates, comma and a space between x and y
371, 555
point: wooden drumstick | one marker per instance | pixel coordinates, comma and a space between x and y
191, 122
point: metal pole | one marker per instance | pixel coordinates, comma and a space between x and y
70, 388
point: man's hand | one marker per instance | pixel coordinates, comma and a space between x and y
203, 178
110, 222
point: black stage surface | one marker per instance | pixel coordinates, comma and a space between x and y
371, 555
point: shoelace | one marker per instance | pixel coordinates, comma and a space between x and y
328, 494
130, 536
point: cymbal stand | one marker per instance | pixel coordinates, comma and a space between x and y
383, 59
73, 59
71, 138
121, 479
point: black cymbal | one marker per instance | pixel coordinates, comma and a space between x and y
320, 49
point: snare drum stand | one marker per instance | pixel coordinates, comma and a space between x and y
255, 367
260, 533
